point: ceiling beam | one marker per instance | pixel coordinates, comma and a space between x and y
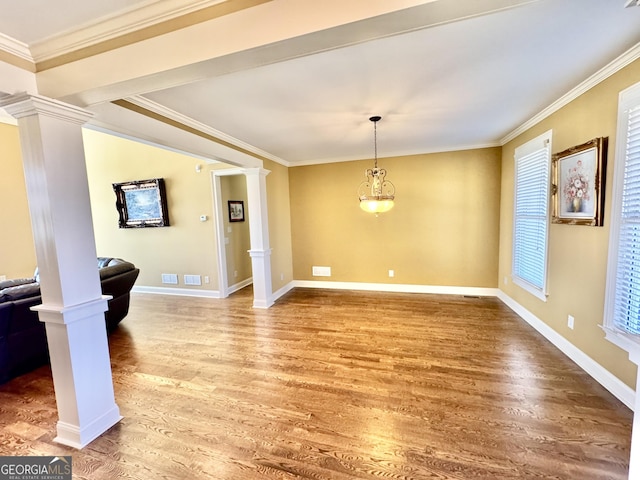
283, 30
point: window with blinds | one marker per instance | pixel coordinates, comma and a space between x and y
531, 215
622, 311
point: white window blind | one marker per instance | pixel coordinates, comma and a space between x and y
626, 314
531, 220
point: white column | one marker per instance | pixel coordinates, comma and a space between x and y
72, 303
259, 231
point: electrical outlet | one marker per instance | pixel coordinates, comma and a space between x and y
391, 274
570, 321
3, 278
206, 279
506, 280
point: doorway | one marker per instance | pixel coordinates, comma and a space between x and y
232, 231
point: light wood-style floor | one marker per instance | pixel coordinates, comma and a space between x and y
334, 385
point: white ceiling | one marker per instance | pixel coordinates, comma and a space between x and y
32, 21
451, 86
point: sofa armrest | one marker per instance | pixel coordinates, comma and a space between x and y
115, 267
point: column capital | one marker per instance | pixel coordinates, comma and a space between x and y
256, 171
24, 105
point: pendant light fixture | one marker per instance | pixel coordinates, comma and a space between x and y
376, 193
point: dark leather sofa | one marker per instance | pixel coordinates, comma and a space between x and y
23, 342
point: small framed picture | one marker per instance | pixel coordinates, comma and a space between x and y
141, 203
579, 182
236, 211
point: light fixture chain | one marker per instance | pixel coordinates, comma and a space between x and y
375, 143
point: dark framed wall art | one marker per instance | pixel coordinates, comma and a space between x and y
579, 183
236, 211
142, 203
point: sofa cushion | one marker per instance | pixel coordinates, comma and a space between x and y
20, 291
15, 282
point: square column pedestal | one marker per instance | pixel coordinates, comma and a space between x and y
72, 302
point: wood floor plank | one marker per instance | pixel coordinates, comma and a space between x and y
334, 385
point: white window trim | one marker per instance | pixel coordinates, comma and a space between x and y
627, 100
532, 289
541, 141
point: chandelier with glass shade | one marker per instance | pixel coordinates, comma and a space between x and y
376, 193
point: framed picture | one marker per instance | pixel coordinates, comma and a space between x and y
579, 182
141, 203
236, 211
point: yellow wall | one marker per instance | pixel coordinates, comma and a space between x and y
577, 254
17, 251
188, 246
442, 231
234, 187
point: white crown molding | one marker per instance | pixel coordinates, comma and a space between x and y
15, 47
206, 129
615, 66
159, 109
458, 148
124, 133
6, 118
113, 26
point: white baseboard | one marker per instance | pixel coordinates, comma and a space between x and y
398, 288
240, 285
177, 291
277, 294
605, 378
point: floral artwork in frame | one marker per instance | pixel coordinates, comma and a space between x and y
579, 182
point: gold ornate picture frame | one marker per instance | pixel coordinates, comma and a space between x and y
578, 183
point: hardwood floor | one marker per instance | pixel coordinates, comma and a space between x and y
334, 385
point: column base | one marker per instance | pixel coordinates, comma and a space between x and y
81, 370
261, 265
76, 437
